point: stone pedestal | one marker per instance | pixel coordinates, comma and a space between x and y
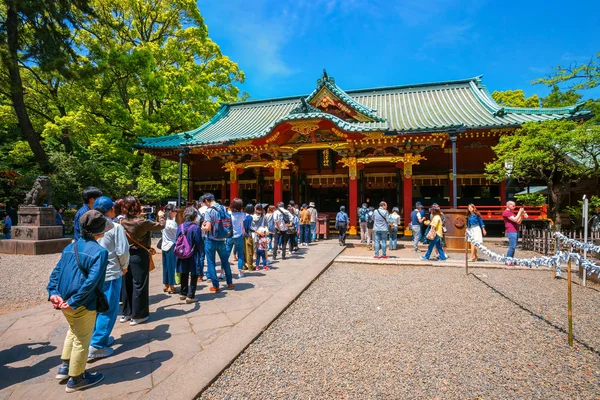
35, 234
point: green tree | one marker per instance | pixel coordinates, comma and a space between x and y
558, 98
144, 68
515, 98
576, 76
36, 32
555, 152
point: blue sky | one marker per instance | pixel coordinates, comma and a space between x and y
283, 46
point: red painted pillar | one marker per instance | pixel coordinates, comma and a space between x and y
407, 202
233, 190
503, 193
277, 192
353, 202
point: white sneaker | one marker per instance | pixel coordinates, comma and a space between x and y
135, 322
241, 275
221, 276
124, 318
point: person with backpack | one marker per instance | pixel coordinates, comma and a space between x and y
169, 237
237, 240
217, 225
270, 224
341, 224
75, 286
187, 252
370, 224
381, 228
362, 222
394, 221
293, 230
248, 239
115, 242
416, 220
283, 222
201, 211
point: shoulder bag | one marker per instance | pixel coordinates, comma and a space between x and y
101, 300
150, 251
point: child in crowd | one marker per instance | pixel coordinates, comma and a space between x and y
262, 242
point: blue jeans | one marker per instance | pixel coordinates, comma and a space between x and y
261, 254
270, 236
212, 248
393, 239
437, 243
169, 262
313, 231
305, 233
201, 257
106, 321
380, 242
238, 242
512, 243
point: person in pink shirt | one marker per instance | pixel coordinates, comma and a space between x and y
511, 224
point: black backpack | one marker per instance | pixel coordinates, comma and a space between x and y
370, 220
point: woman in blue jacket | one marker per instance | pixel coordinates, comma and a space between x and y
189, 268
74, 286
476, 228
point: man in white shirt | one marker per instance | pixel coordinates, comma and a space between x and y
282, 218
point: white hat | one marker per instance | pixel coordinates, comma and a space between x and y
312, 204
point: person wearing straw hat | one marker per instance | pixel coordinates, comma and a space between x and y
73, 288
313, 221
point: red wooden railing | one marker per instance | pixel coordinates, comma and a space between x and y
495, 212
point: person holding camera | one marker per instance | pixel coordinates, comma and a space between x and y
74, 288
511, 225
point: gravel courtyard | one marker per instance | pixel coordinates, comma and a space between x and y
418, 332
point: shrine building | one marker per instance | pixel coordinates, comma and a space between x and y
402, 144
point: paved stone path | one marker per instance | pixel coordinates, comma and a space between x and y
177, 353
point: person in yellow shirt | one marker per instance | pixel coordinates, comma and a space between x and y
437, 227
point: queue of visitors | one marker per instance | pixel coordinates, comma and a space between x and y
111, 257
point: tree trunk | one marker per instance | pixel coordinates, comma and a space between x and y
555, 190
64, 136
10, 61
155, 169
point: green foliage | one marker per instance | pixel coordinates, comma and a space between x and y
69, 218
576, 76
531, 199
555, 152
557, 98
142, 68
515, 98
577, 211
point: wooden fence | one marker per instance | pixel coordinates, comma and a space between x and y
542, 240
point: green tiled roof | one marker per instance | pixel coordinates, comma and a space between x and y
399, 109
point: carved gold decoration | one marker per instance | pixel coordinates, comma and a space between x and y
242, 143
278, 166
325, 101
231, 167
410, 160
273, 138
351, 163
326, 160
304, 127
339, 133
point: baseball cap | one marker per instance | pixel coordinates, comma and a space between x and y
103, 204
93, 222
418, 204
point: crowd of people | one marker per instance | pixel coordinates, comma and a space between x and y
110, 259
111, 256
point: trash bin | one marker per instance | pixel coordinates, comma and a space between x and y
322, 226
